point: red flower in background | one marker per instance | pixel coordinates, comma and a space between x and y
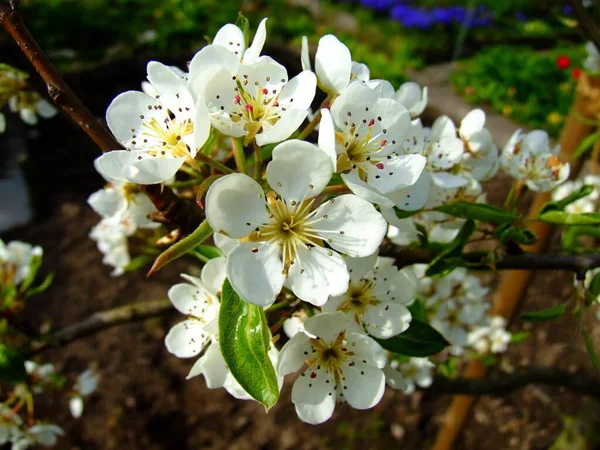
576, 72
563, 62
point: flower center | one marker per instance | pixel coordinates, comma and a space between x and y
330, 357
358, 298
361, 151
169, 135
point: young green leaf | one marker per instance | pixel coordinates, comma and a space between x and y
559, 205
477, 211
400, 214
563, 218
417, 310
419, 340
182, 247
516, 338
594, 288
245, 338
585, 145
206, 252
12, 365
544, 314
450, 257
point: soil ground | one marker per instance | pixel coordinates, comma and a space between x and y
144, 402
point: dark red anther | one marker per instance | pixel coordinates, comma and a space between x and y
313, 375
379, 166
371, 122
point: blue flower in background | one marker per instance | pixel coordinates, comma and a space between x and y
521, 16
378, 5
411, 17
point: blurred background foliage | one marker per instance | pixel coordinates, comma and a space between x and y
513, 43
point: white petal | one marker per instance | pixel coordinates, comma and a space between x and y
365, 383
76, 406
364, 190
327, 136
201, 127
208, 62
327, 326
186, 339
123, 114
355, 98
212, 366
235, 205
151, 170
386, 320
173, 90
413, 197
317, 274
472, 123
353, 225
299, 92
299, 170
293, 354
232, 38
213, 274
255, 272
258, 42
447, 180
192, 300
314, 398
289, 122
396, 173
113, 165
360, 71
359, 267
366, 349
304, 55
107, 202
45, 109
443, 127
333, 64
383, 88
394, 379
224, 243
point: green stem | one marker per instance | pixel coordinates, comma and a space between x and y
239, 155
310, 127
258, 162
213, 163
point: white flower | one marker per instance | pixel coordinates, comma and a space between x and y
592, 62
411, 96
333, 65
86, 384
111, 235
285, 236
29, 105
149, 89
16, 259
477, 139
376, 297
43, 434
342, 366
406, 376
199, 299
528, 157
490, 338
160, 133
369, 137
295, 324
76, 406
586, 204
253, 97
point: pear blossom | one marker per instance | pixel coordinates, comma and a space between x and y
406, 376
251, 97
149, 89
339, 366
111, 235
412, 97
283, 235
376, 297
295, 324
476, 138
86, 384
42, 434
29, 105
369, 133
528, 157
15, 261
491, 338
592, 62
160, 133
232, 38
589, 203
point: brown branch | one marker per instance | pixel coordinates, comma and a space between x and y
97, 322
502, 383
182, 213
578, 263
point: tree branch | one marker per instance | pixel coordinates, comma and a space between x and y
578, 263
586, 22
502, 383
182, 213
97, 322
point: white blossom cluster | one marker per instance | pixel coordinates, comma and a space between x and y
592, 61
23, 434
124, 209
292, 230
456, 306
588, 204
15, 261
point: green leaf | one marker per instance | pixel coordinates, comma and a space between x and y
516, 338
563, 218
559, 205
586, 144
137, 263
34, 267
206, 252
477, 211
12, 365
450, 257
245, 338
417, 310
519, 235
400, 214
41, 287
594, 288
419, 340
544, 314
179, 249
589, 345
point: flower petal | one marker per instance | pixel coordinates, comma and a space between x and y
413, 197
107, 202
317, 274
366, 349
293, 354
255, 272
304, 55
235, 205
212, 366
327, 326
299, 170
386, 320
396, 173
173, 90
224, 243
232, 38
359, 267
314, 398
123, 114
365, 384
364, 190
327, 136
299, 92
353, 226
289, 122
186, 339
333, 64
146, 169
213, 274
472, 123
113, 165
258, 42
